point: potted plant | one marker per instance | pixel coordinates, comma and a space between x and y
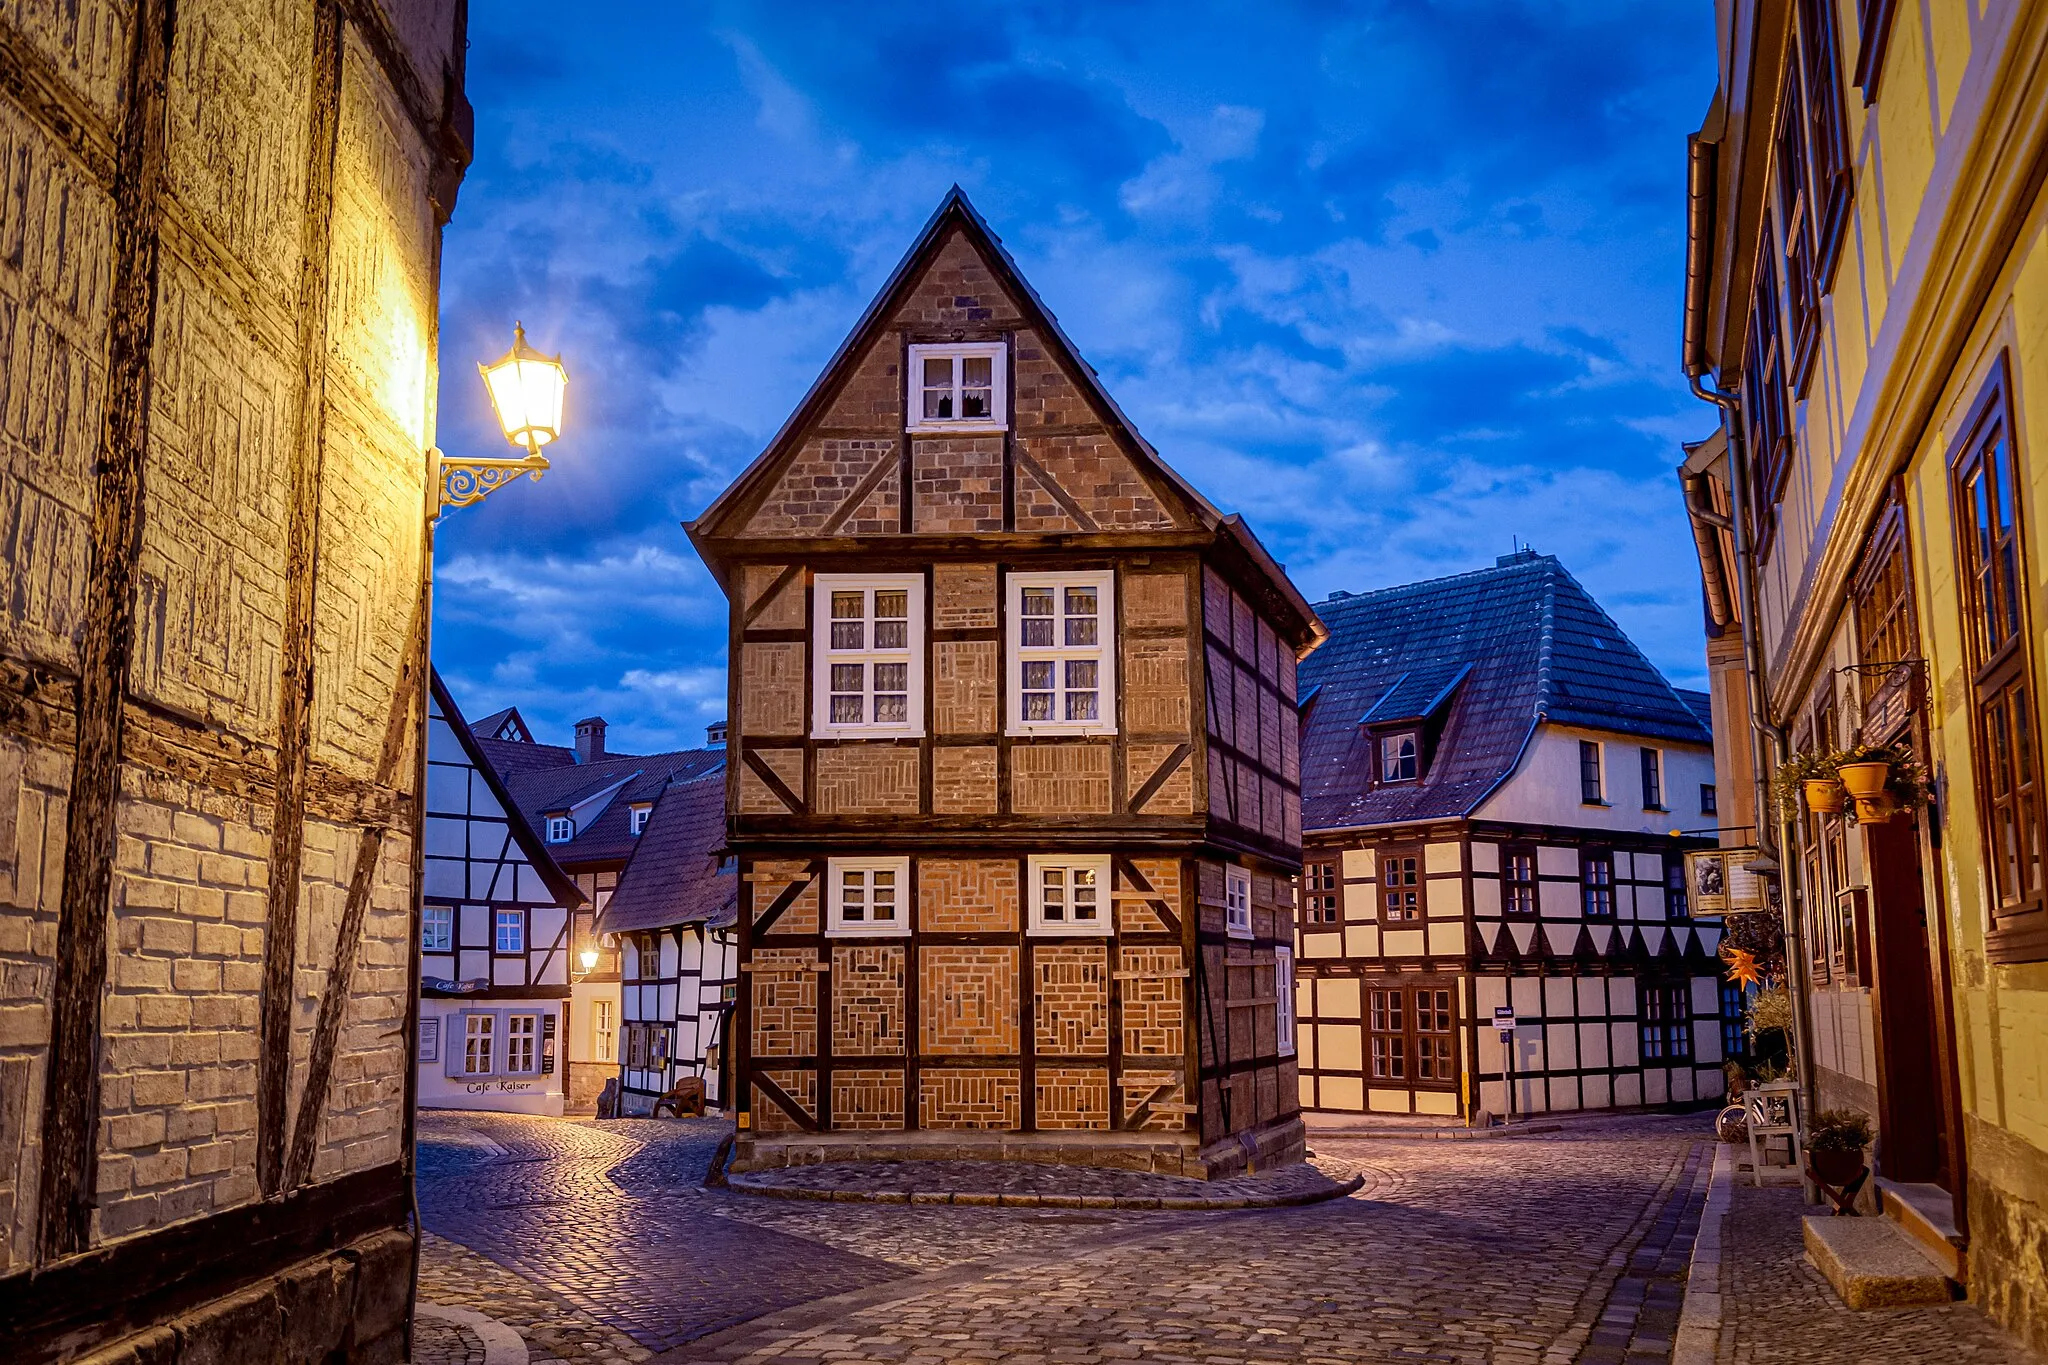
1882, 780
1835, 1145
1811, 775
1865, 770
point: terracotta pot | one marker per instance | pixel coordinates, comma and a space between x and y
1862, 780
1832, 1166
1823, 796
1874, 810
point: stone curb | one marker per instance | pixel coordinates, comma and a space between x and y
1698, 1341
1169, 1202
502, 1344
1435, 1134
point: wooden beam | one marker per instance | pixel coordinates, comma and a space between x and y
301, 573
1056, 493
71, 1108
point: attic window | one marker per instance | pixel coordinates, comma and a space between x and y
561, 829
637, 819
1399, 756
958, 386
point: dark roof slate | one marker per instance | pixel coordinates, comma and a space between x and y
675, 876
1417, 694
541, 783
1701, 704
1538, 648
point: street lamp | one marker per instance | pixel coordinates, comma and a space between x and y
589, 959
526, 391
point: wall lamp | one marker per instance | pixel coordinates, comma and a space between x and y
526, 391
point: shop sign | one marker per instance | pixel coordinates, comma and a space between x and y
1721, 883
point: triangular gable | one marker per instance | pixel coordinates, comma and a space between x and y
835, 468
451, 745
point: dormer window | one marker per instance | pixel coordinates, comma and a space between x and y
636, 819
1400, 756
958, 386
561, 829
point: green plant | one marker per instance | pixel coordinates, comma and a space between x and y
1838, 1130
1905, 782
1792, 775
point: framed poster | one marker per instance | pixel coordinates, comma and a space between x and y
430, 1040
1720, 882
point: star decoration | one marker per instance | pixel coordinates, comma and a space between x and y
1742, 968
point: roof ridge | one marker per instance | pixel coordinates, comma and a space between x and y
1546, 642
1625, 638
1420, 583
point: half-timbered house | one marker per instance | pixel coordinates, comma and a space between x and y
1492, 774
1014, 780
675, 918
494, 937
591, 805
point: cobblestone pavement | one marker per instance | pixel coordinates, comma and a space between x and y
1764, 1263
445, 1343
1045, 1183
598, 1243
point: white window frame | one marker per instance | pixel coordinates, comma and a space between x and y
499, 921
636, 819
1283, 998
836, 923
471, 1035
1390, 749
530, 1038
561, 829
1104, 923
956, 351
1102, 652
1237, 902
823, 656
602, 1038
436, 916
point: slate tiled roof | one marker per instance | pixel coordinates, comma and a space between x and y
674, 876
546, 777
1701, 704
1538, 647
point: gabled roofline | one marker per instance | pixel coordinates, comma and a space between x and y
530, 843
672, 783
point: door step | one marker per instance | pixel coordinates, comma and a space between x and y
1873, 1263
1927, 1215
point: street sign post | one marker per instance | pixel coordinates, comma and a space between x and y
1504, 1020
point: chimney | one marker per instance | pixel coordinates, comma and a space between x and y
590, 739
714, 735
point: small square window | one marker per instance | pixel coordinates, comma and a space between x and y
1070, 894
636, 819
510, 935
958, 386
1401, 885
868, 896
437, 928
1237, 901
1399, 757
561, 829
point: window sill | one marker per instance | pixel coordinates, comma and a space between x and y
968, 427
1103, 930
1244, 935
868, 931
850, 734
1603, 804
1058, 729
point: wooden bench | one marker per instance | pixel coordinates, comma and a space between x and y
686, 1097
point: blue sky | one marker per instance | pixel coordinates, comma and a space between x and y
1399, 281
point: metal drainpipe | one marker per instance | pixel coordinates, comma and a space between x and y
1767, 742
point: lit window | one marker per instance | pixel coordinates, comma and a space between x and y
601, 1030
1283, 999
868, 896
511, 931
1398, 757
521, 1031
869, 676
437, 928
1400, 886
1596, 874
1237, 901
478, 1033
1070, 895
957, 386
1061, 670
636, 820
561, 829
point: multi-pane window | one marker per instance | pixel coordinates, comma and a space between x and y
636, 819
1666, 1022
957, 386
1237, 901
1710, 803
868, 896
1676, 906
1993, 578
1734, 1038
602, 1038
1766, 402
1061, 631
1518, 879
1590, 790
561, 829
1653, 780
521, 1042
1400, 885
437, 928
1070, 894
1411, 1035
1319, 892
509, 930
636, 1046
1399, 757
1283, 999
870, 668
1885, 629
479, 1034
1596, 882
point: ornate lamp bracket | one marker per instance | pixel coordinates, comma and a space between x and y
463, 482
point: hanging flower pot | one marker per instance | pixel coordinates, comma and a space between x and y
1875, 810
1865, 780
1823, 795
